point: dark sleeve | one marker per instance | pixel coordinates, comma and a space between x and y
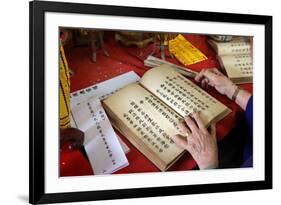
249, 117
248, 149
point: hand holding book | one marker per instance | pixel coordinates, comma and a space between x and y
200, 143
147, 113
213, 77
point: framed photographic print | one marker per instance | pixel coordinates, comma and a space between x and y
130, 102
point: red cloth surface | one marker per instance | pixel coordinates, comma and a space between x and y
121, 60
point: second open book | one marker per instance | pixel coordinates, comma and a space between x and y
147, 113
235, 58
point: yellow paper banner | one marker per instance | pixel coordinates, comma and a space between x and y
185, 52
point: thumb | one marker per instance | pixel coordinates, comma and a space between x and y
211, 75
180, 141
216, 71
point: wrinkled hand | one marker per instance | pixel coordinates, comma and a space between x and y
72, 135
201, 144
213, 77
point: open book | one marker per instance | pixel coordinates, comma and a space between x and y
235, 59
147, 113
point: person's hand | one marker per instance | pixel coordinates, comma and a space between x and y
213, 77
201, 144
72, 135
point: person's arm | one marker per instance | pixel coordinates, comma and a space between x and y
213, 77
242, 98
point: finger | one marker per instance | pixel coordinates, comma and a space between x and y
180, 141
206, 80
216, 71
183, 128
199, 121
211, 75
212, 84
213, 130
206, 83
191, 124
200, 76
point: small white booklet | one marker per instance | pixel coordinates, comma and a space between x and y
104, 149
101, 143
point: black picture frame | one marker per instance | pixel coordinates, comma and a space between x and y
37, 192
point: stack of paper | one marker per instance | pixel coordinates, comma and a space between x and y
152, 61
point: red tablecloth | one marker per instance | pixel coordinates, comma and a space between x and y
121, 60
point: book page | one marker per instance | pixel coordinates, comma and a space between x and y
234, 47
182, 95
101, 143
237, 66
148, 119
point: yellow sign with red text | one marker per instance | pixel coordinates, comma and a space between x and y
184, 51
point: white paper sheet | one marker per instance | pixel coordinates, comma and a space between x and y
103, 90
125, 147
105, 158
101, 143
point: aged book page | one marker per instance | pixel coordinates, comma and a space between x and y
182, 95
234, 47
239, 68
146, 122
